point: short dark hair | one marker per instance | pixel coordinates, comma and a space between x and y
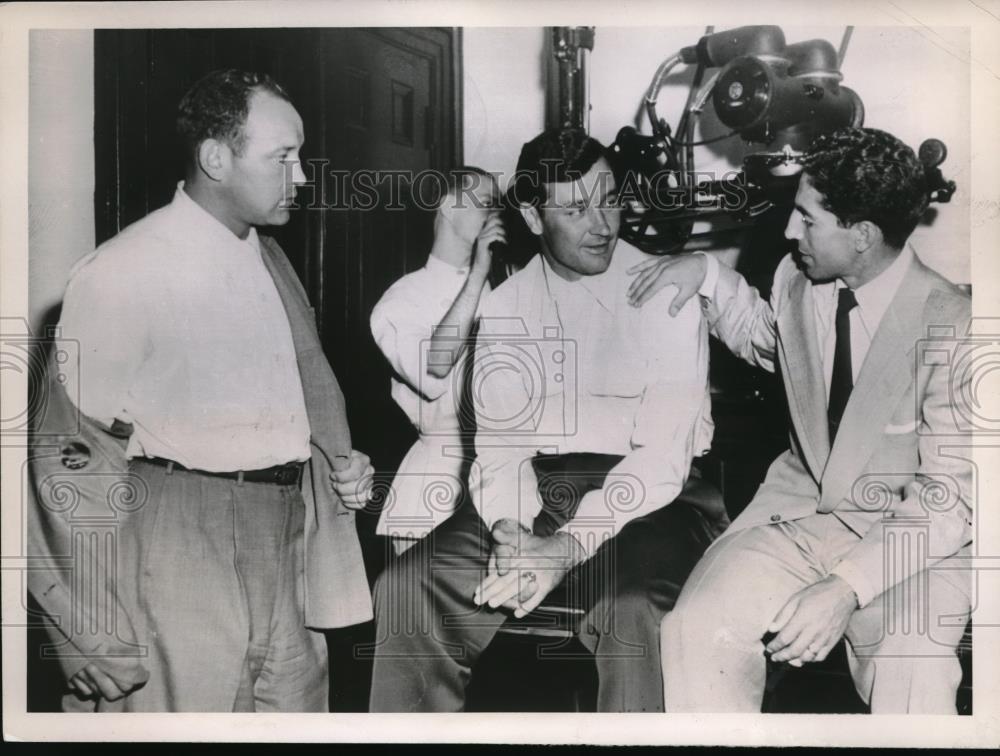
216, 107
553, 157
867, 174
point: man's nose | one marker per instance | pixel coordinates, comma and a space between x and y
793, 229
298, 177
599, 225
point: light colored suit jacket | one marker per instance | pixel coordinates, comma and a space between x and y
897, 460
72, 510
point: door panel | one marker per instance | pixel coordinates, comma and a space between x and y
370, 100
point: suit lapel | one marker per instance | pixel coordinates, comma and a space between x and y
804, 374
885, 375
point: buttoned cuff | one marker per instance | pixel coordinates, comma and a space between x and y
858, 581
707, 288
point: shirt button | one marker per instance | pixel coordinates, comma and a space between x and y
775, 517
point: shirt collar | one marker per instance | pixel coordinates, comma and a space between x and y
436, 266
875, 296
605, 287
198, 221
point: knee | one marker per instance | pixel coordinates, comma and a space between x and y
676, 630
705, 626
629, 611
685, 625
402, 579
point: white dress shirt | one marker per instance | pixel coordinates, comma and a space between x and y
182, 333
427, 484
566, 367
873, 300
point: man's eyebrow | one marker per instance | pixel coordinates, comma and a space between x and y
285, 148
612, 192
803, 211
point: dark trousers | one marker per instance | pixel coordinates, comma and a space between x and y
429, 633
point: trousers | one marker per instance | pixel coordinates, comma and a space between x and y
429, 633
901, 646
210, 571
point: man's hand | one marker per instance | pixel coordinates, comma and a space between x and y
812, 621
686, 272
524, 568
482, 257
352, 479
92, 681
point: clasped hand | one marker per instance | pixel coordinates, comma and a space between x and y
352, 479
811, 622
95, 682
524, 568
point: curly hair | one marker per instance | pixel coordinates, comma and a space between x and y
555, 156
867, 174
216, 107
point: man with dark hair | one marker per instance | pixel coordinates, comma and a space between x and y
422, 325
199, 349
217, 106
588, 415
875, 460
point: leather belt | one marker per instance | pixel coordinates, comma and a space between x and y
283, 475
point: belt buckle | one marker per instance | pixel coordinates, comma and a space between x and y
288, 475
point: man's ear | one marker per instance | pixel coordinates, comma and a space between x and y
214, 158
532, 216
866, 235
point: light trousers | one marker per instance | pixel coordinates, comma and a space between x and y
901, 646
210, 570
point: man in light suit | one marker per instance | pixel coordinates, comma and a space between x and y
861, 527
195, 463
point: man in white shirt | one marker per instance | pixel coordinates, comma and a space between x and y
588, 415
197, 341
422, 324
862, 528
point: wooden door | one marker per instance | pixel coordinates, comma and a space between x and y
372, 100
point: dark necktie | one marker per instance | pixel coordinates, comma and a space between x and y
842, 380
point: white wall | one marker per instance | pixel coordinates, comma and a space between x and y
912, 81
60, 162
504, 94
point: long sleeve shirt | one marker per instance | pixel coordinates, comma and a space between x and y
873, 300
427, 485
569, 366
181, 332
747, 324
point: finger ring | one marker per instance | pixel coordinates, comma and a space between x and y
530, 575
